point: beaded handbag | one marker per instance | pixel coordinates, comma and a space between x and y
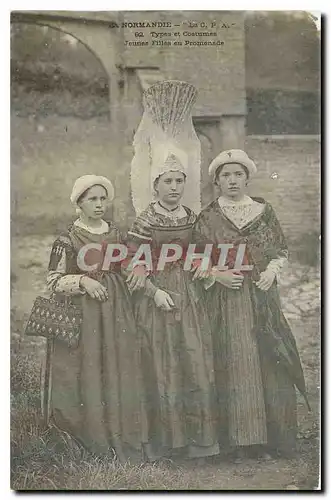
54, 318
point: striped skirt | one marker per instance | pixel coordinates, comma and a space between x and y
257, 401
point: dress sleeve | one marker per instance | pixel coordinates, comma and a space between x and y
277, 264
150, 289
140, 233
278, 239
58, 280
140, 230
202, 232
280, 255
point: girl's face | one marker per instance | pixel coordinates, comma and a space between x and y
94, 202
170, 187
232, 181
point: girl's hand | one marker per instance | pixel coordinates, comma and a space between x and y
267, 278
94, 288
136, 281
199, 274
230, 279
163, 300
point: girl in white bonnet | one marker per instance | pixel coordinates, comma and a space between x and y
257, 364
95, 387
173, 326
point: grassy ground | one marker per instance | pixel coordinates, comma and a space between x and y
44, 459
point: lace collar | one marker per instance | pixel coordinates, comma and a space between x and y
179, 213
104, 228
226, 202
241, 212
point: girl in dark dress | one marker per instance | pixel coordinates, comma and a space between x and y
257, 364
95, 388
174, 331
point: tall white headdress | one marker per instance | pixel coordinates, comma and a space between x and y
166, 140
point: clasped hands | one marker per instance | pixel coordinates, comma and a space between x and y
234, 279
136, 281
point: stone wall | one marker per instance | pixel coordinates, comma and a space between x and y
48, 155
289, 177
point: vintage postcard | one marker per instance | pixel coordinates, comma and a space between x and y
165, 250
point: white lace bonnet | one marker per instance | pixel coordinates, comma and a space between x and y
165, 141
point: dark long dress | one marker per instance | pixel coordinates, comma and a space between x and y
95, 393
256, 359
177, 360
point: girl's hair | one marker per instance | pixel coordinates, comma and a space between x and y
82, 196
219, 170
